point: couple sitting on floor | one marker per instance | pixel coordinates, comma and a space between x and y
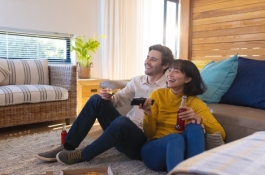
148, 131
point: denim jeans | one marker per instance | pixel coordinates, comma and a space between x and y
165, 153
119, 131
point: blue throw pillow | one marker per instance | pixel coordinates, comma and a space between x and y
248, 86
218, 78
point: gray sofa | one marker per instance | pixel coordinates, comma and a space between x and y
238, 121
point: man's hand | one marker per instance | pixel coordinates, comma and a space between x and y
104, 93
146, 106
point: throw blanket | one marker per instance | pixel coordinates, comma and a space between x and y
244, 156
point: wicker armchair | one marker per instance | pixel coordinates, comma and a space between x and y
62, 76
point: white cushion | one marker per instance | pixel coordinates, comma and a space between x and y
33, 71
4, 74
18, 94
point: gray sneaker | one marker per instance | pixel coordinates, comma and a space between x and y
70, 157
50, 155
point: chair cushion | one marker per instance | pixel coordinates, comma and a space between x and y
248, 86
4, 74
218, 77
18, 94
33, 71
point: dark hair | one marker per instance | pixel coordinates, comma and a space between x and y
196, 86
167, 55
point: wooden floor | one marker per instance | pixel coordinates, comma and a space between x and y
24, 130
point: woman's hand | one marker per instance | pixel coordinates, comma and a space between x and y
189, 115
202, 125
104, 93
146, 106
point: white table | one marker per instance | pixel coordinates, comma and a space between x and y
242, 157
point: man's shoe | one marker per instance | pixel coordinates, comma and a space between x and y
50, 155
70, 157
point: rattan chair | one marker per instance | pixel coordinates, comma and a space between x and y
62, 76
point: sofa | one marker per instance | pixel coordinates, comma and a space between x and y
32, 91
239, 117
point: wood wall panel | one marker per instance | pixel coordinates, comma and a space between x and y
220, 58
232, 31
185, 15
230, 25
230, 45
226, 4
197, 3
232, 38
229, 11
221, 28
234, 17
242, 51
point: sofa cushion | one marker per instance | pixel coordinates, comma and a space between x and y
218, 77
18, 94
25, 71
4, 73
248, 86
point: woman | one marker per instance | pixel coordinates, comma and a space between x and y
166, 146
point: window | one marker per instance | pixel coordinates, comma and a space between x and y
18, 45
171, 30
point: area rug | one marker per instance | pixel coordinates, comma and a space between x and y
18, 156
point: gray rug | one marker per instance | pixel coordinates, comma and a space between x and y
18, 156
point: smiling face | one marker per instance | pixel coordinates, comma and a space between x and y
176, 79
153, 63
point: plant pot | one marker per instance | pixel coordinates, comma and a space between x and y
84, 72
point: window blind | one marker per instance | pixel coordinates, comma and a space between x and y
15, 45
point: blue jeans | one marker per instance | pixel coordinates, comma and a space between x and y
119, 131
165, 153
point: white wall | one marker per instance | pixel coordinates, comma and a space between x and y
78, 17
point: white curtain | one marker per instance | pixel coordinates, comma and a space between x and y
131, 26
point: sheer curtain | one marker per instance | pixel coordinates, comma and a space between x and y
131, 26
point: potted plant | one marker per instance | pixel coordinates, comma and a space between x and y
84, 48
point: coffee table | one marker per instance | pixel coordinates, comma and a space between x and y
242, 157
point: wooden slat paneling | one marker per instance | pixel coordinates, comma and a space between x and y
229, 11
185, 13
235, 17
229, 25
197, 3
223, 39
225, 57
226, 4
225, 32
242, 51
231, 45
223, 28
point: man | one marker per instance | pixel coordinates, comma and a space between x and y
123, 133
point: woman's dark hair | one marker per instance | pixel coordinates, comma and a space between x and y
196, 86
167, 55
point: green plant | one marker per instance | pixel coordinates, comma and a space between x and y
84, 48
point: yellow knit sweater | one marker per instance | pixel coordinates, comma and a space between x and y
163, 119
